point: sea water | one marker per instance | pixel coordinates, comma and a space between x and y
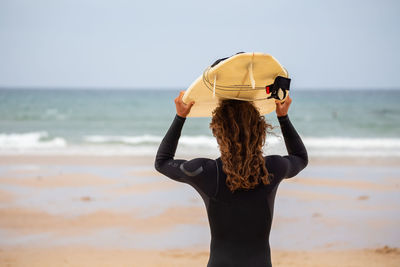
332, 123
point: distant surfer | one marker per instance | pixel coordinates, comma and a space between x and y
239, 187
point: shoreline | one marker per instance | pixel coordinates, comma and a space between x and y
140, 160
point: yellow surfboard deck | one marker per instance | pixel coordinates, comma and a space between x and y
243, 76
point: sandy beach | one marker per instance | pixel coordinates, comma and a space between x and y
90, 89
118, 211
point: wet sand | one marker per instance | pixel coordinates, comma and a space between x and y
118, 211
88, 256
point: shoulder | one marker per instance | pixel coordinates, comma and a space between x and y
202, 161
276, 165
272, 160
198, 165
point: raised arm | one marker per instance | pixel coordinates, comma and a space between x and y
297, 158
166, 151
197, 172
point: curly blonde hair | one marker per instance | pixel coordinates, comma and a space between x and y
240, 131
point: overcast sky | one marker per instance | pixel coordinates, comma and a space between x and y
167, 44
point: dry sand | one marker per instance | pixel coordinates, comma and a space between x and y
88, 256
40, 226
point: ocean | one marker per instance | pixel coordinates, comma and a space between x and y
332, 123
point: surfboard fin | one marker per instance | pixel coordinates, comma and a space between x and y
215, 82
251, 76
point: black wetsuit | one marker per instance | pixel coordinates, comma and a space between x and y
240, 222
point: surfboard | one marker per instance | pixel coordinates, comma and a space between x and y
256, 77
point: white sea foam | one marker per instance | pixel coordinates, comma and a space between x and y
40, 143
354, 143
185, 140
30, 140
133, 140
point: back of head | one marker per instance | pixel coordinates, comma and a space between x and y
240, 131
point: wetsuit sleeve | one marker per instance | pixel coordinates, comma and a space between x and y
297, 158
199, 172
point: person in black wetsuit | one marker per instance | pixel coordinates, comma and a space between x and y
239, 209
